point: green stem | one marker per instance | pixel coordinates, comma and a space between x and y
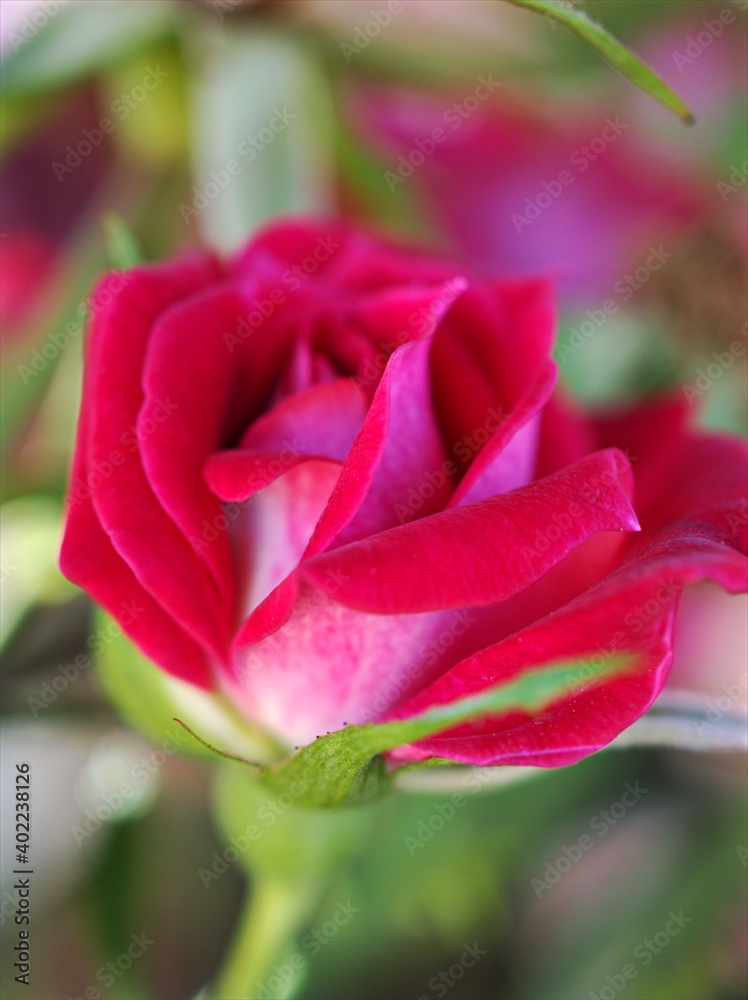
272, 915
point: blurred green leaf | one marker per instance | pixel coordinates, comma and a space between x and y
621, 361
614, 51
262, 127
303, 845
150, 134
30, 530
81, 39
150, 699
122, 247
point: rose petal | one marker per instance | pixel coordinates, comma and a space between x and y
507, 461
492, 356
189, 364
323, 667
87, 555
700, 533
271, 533
573, 727
397, 446
320, 423
485, 552
125, 503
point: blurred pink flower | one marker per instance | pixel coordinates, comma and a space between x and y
705, 59
517, 193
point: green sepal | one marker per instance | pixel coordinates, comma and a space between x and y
346, 767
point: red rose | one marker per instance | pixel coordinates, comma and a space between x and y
332, 479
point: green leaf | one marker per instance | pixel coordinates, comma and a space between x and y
614, 51
122, 247
346, 766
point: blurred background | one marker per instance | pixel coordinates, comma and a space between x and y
490, 133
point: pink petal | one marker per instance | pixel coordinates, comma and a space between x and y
323, 420
509, 458
321, 423
485, 552
396, 448
492, 359
327, 665
406, 313
271, 533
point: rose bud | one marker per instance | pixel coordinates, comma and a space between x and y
336, 480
